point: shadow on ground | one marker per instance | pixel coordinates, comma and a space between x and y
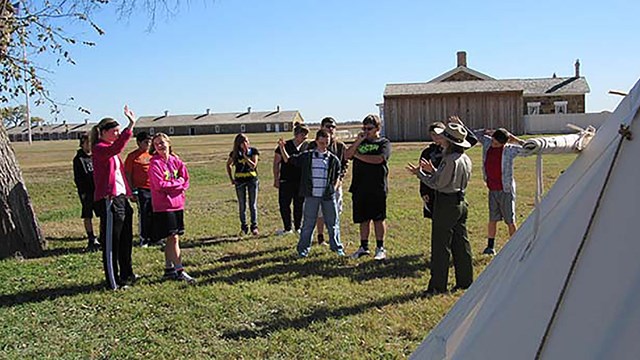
265, 328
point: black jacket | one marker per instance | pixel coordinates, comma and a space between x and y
83, 173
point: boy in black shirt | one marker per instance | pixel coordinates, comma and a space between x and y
370, 154
83, 178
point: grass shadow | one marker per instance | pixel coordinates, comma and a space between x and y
266, 328
407, 266
67, 238
64, 251
217, 240
35, 296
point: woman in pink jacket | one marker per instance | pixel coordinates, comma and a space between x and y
169, 180
110, 196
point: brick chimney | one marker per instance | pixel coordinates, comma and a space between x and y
577, 65
462, 58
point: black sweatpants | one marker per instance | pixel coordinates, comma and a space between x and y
116, 235
145, 215
449, 237
290, 192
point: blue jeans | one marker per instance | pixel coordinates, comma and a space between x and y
241, 190
309, 216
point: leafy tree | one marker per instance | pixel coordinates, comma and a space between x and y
17, 115
38, 27
13, 115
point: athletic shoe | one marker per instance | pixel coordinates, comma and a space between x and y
129, 280
429, 292
183, 276
489, 251
144, 242
93, 245
244, 230
340, 253
360, 252
255, 231
170, 274
381, 254
281, 232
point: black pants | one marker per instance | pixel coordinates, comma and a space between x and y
287, 193
116, 235
449, 237
145, 214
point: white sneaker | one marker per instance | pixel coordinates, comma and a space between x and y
381, 254
360, 252
281, 232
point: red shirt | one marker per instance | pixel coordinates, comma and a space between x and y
493, 168
137, 166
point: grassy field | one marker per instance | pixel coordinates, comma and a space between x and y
254, 298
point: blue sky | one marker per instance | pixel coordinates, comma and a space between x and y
335, 57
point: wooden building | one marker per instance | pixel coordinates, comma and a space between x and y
221, 123
478, 99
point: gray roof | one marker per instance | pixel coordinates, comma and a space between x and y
52, 128
529, 87
218, 118
465, 69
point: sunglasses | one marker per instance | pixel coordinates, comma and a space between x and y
330, 126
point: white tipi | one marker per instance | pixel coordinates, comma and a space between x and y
571, 291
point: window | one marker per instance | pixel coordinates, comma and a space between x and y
171, 130
561, 107
533, 108
152, 131
268, 127
286, 126
243, 128
217, 129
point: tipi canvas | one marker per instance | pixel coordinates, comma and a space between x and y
570, 288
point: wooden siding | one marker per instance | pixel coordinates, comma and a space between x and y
407, 118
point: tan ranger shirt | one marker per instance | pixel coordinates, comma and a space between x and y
451, 176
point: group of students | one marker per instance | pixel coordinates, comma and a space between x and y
153, 176
444, 172
309, 176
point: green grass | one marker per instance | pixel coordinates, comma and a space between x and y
254, 299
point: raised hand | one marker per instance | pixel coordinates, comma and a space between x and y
455, 119
412, 168
426, 165
129, 114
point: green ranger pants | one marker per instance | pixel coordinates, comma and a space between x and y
449, 237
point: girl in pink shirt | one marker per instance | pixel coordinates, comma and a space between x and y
169, 180
110, 195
